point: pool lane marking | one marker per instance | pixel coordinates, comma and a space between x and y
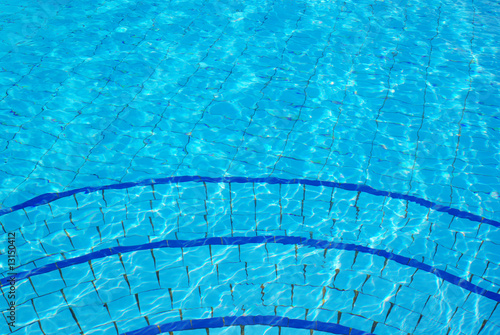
247, 320
49, 197
241, 240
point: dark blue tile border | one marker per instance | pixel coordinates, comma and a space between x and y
241, 240
250, 320
49, 197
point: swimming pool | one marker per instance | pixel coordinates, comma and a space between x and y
265, 167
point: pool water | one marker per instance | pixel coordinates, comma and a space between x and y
265, 167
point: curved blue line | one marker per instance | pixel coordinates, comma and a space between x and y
49, 197
241, 240
250, 320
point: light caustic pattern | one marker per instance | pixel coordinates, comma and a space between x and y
173, 250
311, 167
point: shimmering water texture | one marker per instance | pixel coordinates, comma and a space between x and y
266, 167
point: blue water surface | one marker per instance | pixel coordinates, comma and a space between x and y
265, 167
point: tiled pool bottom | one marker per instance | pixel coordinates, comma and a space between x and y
130, 257
398, 94
394, 104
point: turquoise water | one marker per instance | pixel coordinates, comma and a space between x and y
310, 167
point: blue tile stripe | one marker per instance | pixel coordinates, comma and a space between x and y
49, 197
241, 240
249, 320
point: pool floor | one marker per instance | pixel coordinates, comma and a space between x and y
266, 167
